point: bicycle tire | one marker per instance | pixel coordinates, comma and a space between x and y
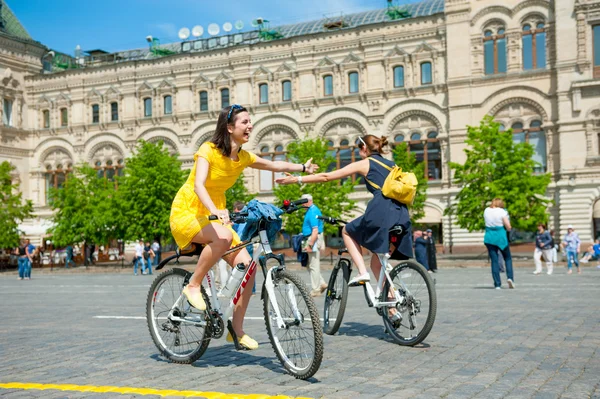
166, 334
295, 363
336, 297
409, 272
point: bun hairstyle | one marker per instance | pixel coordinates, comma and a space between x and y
375, 144
221, 137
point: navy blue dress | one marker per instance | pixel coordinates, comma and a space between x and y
371, 230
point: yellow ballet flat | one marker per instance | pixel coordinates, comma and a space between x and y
195, 300
240, 343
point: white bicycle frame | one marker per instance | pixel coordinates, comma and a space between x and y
217, 297
385, 272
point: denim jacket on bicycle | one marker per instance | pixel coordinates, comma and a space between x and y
258, 210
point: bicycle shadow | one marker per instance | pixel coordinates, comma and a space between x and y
355, 329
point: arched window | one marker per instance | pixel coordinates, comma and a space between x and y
426, 148
353, 82
534, 46
56, 177
327, 85
494, 51
168, 105
426, 77
267, 178
147, 107
263, 90
107, 170
399, 76
46, 119
535, 136
114, 111
95, 114
225, 98
286, 91
64, 117
203, 101
344, 154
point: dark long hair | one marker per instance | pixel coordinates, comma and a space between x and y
221, 137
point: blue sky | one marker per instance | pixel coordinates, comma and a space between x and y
114, 25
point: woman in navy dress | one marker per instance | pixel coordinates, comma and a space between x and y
370, 230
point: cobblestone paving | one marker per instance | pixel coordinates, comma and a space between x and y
541, 340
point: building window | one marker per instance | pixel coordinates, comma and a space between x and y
596, 32
56, 178
203, 101
426, 149
494, 51
147, 107
328, 85
95, 114
46, 118
224, 98
534, 47
286, 91
426, 73
168, 105
108, 169
267, 178
353, 82
7, 119
535, 136
64, 117
345, 153
114, 112
399, 76
264, 93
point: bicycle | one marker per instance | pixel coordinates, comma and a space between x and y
408, 279
182, 333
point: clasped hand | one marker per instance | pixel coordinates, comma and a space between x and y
291, 179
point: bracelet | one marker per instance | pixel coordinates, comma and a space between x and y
299, 179
303, 168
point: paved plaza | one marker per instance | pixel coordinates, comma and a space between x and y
541, 340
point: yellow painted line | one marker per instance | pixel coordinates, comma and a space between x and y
139, 391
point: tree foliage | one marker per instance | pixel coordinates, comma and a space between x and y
13, 209
332, 197
146, 191
238, 192
498, 167
408, 162
83, 208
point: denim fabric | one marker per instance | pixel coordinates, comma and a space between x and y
68, 260
572, 255
257, 211
493, 252
156, 258
22, 262
545, 239
28, 267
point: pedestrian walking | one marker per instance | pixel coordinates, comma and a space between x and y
157, 253
495, 239
69, 258
139, 257
431, 255
148, 255
572, 245
544, 245
312, 230
21, 252
30, 251
421, 245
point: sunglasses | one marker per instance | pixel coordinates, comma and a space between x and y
360, 143
234, 106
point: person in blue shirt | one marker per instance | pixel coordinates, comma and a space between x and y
572, 245
69, 259
312, 230
30, 249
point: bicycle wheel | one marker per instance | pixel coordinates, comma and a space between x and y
179, 341
336, 297
298, 345
418, 307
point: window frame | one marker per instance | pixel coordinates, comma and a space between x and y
95, 114
354, 157
54, 173
495, 37
530, 129
351, 74
394, 76
534, 36
46, 119
8, 120
324, 77
407, 138
596, 52
205, 102
170, 97
64, 117
261, 100
104, 167
283, 97
147, 110
221, 92
114, 104
423, 83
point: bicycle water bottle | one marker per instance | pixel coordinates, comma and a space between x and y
234, 280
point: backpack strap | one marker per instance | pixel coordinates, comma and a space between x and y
381, 163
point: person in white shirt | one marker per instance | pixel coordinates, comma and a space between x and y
497, 223
156, 250
139, 257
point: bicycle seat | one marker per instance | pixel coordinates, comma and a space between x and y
191, 250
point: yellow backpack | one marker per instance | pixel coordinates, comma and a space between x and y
400, 186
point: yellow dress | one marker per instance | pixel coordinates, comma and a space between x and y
188, 214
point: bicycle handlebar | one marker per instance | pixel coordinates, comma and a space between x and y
331, 220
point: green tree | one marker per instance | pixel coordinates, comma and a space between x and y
498, 167
238, 192
331, 197
83, 208
408, 162
13, 210
151, 179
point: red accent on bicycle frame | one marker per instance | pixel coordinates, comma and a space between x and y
249, 272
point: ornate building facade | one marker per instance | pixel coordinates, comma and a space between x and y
534, 65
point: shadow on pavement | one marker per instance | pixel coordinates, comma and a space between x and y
354, 329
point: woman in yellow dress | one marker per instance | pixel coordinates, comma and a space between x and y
217, 165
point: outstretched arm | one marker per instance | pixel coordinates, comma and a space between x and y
283, 166
360, 167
